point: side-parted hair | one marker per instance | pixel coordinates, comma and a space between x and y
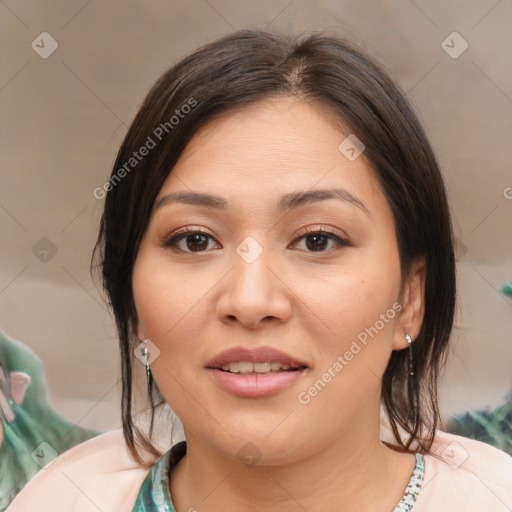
240, 69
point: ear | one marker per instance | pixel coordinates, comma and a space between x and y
412, 300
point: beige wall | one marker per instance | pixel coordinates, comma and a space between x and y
63, 117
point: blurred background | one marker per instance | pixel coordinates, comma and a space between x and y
75, 72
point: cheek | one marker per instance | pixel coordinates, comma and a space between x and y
357, 310
356, 299
360, 312
160, 297
170, 306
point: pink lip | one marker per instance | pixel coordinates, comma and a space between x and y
254, 355
257, 384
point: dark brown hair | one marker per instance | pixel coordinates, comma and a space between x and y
240, 69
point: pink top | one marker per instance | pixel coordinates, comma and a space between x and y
468, 476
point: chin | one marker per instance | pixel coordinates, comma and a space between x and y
260, 446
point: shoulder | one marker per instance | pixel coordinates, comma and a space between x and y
466, 475
95, 475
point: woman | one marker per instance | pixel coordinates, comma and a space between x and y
276, 246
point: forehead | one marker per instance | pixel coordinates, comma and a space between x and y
268, 149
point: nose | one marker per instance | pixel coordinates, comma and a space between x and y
254, 294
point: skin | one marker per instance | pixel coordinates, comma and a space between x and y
325, 455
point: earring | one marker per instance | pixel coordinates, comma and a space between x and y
411, 360
145, 354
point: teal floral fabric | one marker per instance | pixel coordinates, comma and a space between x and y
413, 487
154, 492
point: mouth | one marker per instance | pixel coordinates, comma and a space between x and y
263, 368
255, 372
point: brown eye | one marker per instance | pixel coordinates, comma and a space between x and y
194, 241
318, 240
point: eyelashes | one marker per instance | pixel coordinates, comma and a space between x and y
173, 241
190, 237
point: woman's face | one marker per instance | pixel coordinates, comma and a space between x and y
262, 275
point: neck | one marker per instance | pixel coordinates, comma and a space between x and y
351, 474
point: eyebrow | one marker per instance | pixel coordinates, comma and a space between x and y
285, 203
